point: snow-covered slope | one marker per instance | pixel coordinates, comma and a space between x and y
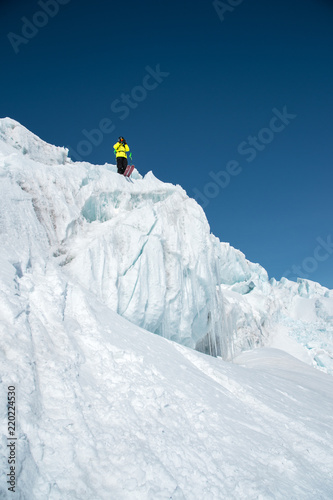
107, 410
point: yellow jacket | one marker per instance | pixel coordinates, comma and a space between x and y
121, 149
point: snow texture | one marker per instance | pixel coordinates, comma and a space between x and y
91, 266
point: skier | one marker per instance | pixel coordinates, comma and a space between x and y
121, 148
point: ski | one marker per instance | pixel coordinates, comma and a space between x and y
129, 170
126, 171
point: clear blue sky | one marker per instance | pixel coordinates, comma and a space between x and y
207, 115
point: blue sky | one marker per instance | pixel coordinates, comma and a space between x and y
232, 101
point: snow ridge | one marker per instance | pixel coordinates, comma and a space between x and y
27, 143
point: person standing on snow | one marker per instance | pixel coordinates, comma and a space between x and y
121, 148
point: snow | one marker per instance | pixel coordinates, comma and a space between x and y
18, 137
91, 266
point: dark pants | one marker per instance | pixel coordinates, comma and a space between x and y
121, 164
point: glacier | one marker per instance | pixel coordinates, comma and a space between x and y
111, 294
145, 250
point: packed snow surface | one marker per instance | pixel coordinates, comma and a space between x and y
91, 266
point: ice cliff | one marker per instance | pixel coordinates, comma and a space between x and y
144, 249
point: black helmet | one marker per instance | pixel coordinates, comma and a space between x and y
121, 139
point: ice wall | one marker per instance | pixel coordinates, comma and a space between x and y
144, 248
